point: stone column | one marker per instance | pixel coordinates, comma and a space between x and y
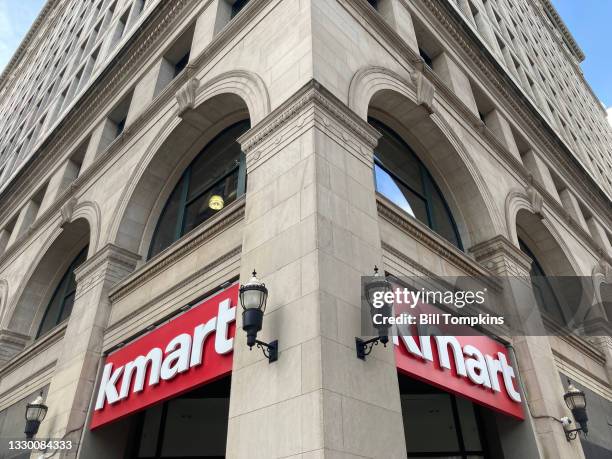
311, 231
26, 217
101, 137
60, 180
540, 172
453, 76
570, 203
74, 379
210, 22
400, 19
496, 122
539, 375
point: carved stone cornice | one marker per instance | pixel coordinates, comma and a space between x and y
486, 251
186, 95
34, 348
230, 216
324, 108
170, 292
425, 91
431, 240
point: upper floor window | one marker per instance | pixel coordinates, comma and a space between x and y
403, 179
542, 289
238, 6
60, 306
213, 180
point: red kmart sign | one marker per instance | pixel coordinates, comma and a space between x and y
196, 348
187, 352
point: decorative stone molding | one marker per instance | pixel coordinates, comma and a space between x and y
33, 348
425, 91
67, 210
313, 104
109, 265
11, 344
536, 200
182, 248
431, 240
186, 96
126, 288
545, 139
502, 257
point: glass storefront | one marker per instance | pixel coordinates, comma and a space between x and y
439, 424
192, 425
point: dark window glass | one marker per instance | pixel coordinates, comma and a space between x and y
438, 424
544, 293
181, 64
237, 6
212, 181
426, 57
403, 179
374, 3
60, 306
120, 126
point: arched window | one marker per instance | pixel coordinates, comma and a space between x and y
403, 179
60, 306
213, 180
544, 293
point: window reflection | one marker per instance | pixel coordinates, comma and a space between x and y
403, 179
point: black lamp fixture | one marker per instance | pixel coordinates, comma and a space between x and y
375, 290
35, 414
575, 400
253, 298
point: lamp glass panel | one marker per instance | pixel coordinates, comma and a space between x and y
252, 299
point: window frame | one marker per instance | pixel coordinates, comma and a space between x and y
184, 183
427, 180
63, 287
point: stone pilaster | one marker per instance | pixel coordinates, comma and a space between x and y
539, 375
311, 231
71, 387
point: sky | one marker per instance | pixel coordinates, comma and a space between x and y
587, 20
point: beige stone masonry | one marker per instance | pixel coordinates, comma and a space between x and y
496, 122
540, 172
541, 383
210, 22
74, 379
457, 81
60, 180
311, 231
570, 204
26, 217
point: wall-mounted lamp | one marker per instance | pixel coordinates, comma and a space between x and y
575, 400
253, 298
374, 291
35, 414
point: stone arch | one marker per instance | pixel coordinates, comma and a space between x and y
528, 219
88, 211
392, 99
40, 281
573, 292
204, 111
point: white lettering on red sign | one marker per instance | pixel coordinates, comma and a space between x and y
183, 352
469, 361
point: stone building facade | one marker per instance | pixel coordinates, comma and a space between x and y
121, 120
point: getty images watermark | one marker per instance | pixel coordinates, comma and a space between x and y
536, 306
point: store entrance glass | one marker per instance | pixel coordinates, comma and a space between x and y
192, 425
439, 424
